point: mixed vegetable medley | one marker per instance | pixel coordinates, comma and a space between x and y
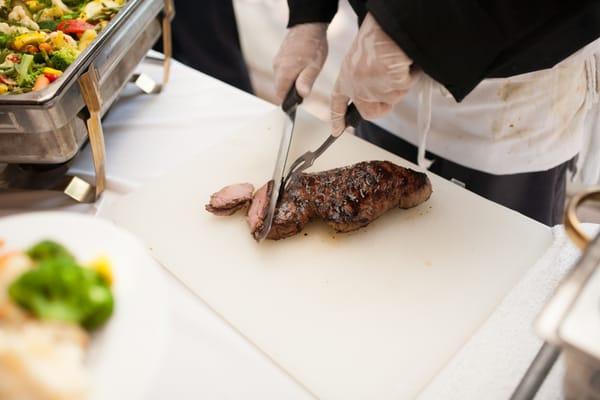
39, 39
58, 288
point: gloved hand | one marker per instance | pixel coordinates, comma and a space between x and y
375, 75
301, 58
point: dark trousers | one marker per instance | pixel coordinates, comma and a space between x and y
539, 195
205, 37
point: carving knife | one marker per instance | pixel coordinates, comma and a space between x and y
289, 106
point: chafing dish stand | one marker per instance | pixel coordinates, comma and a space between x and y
54, 177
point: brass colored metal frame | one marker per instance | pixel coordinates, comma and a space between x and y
78, 189
88, 83
573, 225
168, 15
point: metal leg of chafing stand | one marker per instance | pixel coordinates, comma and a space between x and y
537, 372
55, 178
24, 178
88, 83
144, 82
168, 15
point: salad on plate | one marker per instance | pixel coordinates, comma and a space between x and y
50, 304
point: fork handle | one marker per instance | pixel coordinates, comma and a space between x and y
328, 142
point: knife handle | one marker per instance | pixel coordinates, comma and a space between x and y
292, 99
352, 117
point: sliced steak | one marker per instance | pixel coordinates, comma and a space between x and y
230, 199
346, 198
259, 208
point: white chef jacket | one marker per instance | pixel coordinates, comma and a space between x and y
529, 122
589, 165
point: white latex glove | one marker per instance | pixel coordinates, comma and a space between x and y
300, 58
375, 75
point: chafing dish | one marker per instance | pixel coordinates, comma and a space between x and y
570, 322
50, 126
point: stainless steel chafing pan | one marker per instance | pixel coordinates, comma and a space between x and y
570, 322
48, 127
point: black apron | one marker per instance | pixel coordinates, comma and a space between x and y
205, 37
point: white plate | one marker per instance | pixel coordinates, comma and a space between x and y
125, 355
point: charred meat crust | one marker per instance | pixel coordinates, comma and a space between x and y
348, 198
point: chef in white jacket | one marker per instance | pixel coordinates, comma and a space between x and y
511, 139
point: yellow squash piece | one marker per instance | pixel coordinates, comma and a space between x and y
3, 88
26, 39
87, 38
52, 71
103, 267
34, 5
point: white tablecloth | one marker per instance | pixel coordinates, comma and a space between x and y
145, 137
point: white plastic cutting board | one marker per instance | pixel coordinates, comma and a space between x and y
368, 315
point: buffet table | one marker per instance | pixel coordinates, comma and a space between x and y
146, 136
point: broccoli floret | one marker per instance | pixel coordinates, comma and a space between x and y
39, 58
75, 3
59, 289
49, 25
28, 82
61, 59
4, 40
71, 15
24, 67
26, 76
48, 249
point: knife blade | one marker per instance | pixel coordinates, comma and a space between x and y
289, 106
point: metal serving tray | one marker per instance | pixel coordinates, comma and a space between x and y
49, 126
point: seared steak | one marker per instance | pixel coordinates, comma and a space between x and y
346, 198
230, 199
